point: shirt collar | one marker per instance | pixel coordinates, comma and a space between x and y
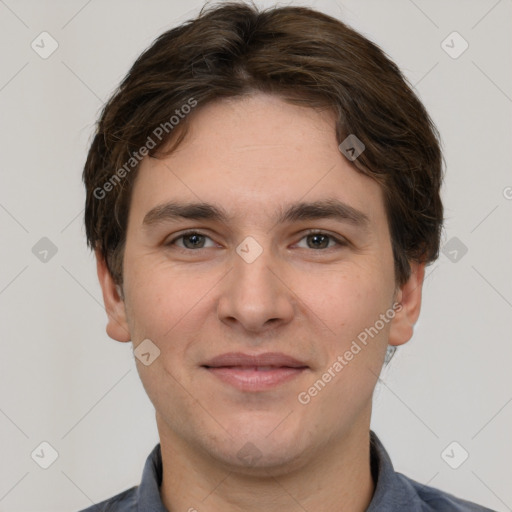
148, 493
392, 493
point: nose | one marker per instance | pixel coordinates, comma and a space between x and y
255, 296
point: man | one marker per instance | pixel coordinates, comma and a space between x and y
263, 198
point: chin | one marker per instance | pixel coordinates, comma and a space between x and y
261, 460
259, 448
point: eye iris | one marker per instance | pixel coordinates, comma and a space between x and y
318, 241
323, 239
195, 240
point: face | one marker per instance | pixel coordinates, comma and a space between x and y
272, 304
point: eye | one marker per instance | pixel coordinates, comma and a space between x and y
319, 240
316, 240
190, 240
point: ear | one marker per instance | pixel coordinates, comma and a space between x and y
409, 296
117, 326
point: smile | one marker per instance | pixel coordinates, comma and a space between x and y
255, 378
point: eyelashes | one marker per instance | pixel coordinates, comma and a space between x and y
199, 237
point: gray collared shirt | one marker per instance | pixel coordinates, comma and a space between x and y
394, 492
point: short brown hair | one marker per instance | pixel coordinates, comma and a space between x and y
305, 57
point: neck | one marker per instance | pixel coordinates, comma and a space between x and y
337, 478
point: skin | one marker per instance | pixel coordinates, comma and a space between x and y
251, 156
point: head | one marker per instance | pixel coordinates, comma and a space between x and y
230, 126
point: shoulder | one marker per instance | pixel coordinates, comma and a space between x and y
398, 493
432, 499
122, 502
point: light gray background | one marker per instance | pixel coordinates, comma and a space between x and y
65, 382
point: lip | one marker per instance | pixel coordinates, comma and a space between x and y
276, 359
257, 372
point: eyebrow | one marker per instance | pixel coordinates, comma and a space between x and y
302, 211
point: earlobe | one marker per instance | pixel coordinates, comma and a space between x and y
409, 298
117, 326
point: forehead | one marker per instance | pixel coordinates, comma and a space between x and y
250, 156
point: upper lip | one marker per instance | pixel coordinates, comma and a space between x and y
276, 359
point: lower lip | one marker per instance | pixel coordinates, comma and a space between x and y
249, 379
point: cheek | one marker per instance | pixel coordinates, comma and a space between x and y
164, 303
348, 302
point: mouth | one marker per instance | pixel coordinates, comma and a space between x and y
255, 372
